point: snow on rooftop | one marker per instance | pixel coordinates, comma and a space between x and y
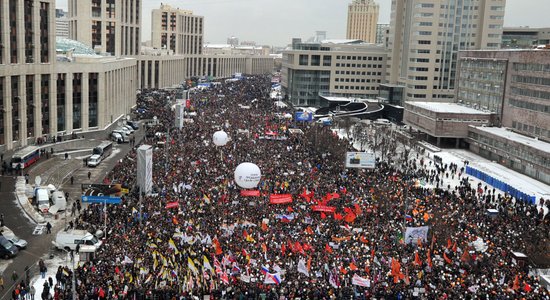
448, 107
342, 41
516, 137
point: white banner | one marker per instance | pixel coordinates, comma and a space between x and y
361, 160
412, 234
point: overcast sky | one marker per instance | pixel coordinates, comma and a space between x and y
276, 22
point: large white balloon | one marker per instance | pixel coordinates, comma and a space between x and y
247, 175
220, 138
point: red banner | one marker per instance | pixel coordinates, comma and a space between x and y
323, 208
171, 204
280, 198
250, 193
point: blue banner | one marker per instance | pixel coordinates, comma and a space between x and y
304, 116
101, 199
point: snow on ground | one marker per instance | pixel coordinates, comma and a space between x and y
60, 259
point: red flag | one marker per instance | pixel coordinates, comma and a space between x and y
449, 243
350, 217
323, 216
454, 247
429, 258
526, 287
328, 248
264, 226
289, 209
343, 270
217, 246
353, 267
338, 216
358, 210
417, 260
283, 249
171, 205
309, 230
465, 256
363, 240
298, 247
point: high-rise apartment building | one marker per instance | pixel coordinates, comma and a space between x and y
108, 26
362, 20
176, 29
426, 35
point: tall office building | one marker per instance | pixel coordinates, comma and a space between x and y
108, 26
176, 29
362, 20
425, 37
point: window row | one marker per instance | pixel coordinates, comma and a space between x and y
349, 57
358, 73
356, 80
531, 93
362, 88
530, 105
358, 65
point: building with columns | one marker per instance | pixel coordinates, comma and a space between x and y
43, 97
108, 26
176, 29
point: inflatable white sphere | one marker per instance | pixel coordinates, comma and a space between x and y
220, 138
247, 175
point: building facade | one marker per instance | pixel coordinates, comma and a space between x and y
43, 97
108, 26
347, 68
525, 37
426, 36
177, 29
362, 20
515, 84
382, 33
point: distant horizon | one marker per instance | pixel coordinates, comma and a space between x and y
279, 22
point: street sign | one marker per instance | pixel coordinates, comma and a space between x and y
101, 199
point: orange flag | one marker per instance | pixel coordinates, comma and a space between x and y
516, 283
309, 264
264, 247
358, 210
264, 226
417, 260
429, 258
343, 270
217, 246
448, 260
419, 242
449, 243
363, 240
309, 230
454, 247
353, 267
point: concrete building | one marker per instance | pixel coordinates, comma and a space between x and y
426, 36
176, 29
382, 33
62, 27
226, 49
43, 97
525, 37
169, 70
444, 123
347, 68
515, 84
362, 20
108, 26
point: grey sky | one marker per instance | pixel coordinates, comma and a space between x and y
275, 22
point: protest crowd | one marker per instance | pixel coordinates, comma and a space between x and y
311, 229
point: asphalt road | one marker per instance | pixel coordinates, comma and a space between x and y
40, 246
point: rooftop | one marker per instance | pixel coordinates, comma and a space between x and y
516, 137
448, 107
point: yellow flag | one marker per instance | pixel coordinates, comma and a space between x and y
172, 245
192, 266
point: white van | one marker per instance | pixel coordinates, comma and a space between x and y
94, 160
123, 135
42, 200
59, 201
69, 239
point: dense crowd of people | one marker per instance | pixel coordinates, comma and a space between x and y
340, 235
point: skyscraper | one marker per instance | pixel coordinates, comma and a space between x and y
362, 20
426, 35
176, 29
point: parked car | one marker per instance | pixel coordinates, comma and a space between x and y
134, 124
19, 243
7, 248
129, 128
42, 200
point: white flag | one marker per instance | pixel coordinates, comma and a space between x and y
360, 281
302, 267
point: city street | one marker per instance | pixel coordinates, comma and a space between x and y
58, 172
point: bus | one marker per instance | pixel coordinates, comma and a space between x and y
104, 149
25, 157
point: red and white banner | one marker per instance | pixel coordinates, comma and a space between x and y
323, 208
250, 193
172, 204
280, 198
360, 281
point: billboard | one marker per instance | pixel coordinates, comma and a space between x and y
115, 189
304, 116
361, 160
101, 199
145, 168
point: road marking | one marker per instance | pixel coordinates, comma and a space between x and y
38, 230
